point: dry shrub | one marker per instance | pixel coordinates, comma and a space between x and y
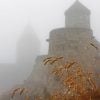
78, 83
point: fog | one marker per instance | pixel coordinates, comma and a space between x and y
43, 16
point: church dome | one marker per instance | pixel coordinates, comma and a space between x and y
77, 7
77, 16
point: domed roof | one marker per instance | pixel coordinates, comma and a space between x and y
77, 7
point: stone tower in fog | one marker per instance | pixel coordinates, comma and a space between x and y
74, 41
77, 28
77, 16
28, 48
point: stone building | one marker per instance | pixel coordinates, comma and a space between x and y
28, 48
75, 40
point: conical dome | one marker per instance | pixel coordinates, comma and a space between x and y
77, 7
77, 16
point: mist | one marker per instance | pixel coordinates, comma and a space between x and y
16, 18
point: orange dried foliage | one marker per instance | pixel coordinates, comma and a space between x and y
77, 83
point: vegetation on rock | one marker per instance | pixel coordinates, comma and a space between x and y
76, 82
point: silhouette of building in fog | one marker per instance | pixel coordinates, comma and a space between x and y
28, 47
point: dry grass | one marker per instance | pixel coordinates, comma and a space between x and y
78, 84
